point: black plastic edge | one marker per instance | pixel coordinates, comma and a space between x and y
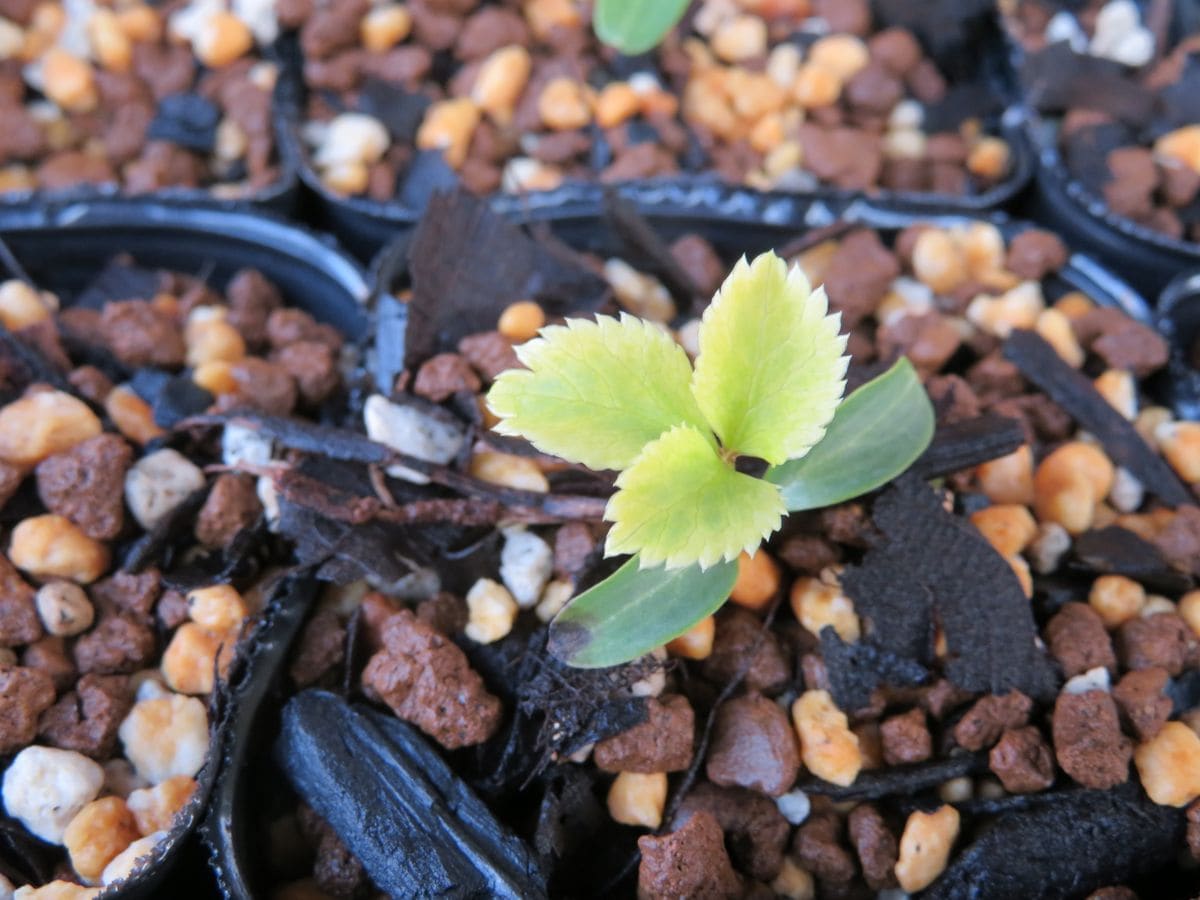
1178, 320
365, 225
223, 827
293, 254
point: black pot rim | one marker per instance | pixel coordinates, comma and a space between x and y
269, 231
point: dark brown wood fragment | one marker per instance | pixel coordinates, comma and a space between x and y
898, 781
932, 560
1072, 390
467, 263
1118, 551
645, 248
340, 444
1057, 79
967, 443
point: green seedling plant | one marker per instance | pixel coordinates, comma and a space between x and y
767, 388
635, 26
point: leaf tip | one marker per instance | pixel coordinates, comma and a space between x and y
568, 639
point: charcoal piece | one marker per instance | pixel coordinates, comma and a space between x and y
427, 174
898, 781
1118, 551
578, 842
967, 443
158, 546
1074, 392
972, 100
172, 398
929, 560
1085, 152
600, 156
399, 110
639, 132
1057, 79
452, 298
1184, 691
391, 320
186, 120
467, 563
1085, 840
416, 827
1180, 100
347, 552
241, 560
24, 858
646, 249
180, 397
85, 352
856, 669
32, 362
149, 382
119, 280
947, 29
310, 437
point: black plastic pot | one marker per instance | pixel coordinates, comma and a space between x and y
250, 778
365, 226
1147, 258
279, 198
62, 249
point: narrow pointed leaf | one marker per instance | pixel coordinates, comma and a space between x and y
596, 392
635, 610
634, 26
770, 371
876, 434
680, 503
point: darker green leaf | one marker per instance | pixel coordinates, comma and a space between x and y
876, 434
635, 26
634, 610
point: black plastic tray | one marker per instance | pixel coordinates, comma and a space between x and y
1147, 258
236, 852
64, 247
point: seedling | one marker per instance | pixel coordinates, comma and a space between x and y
766, 388
635, 26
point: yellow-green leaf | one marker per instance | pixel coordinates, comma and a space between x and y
596, 392
636, 610
634, 26
770, 371
680, 503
